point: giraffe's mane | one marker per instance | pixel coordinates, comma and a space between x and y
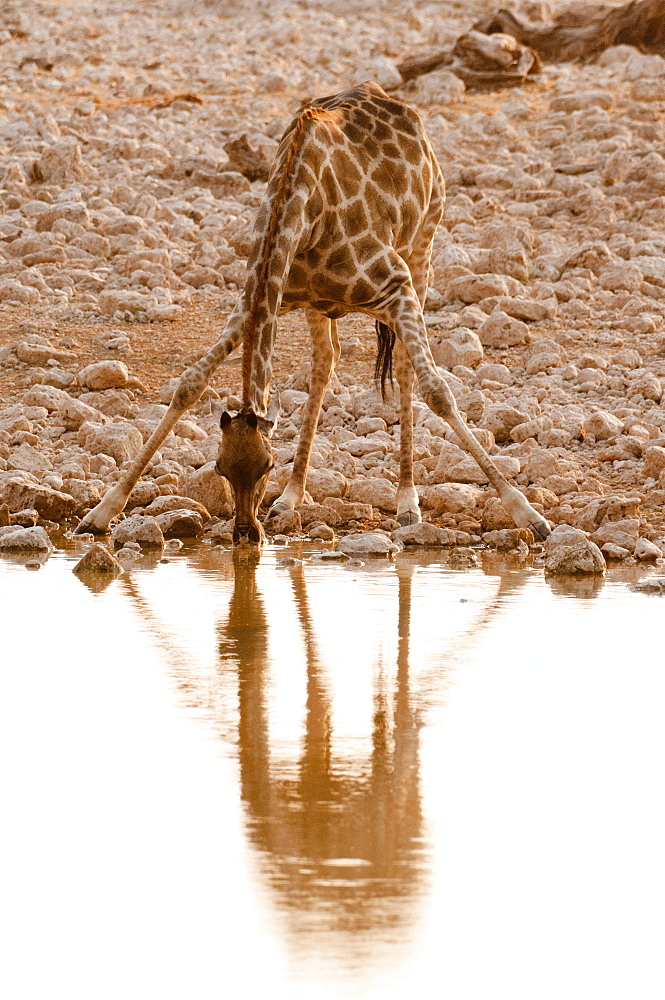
307, 114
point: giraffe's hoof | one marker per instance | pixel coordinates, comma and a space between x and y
408, 517
540, 529
277, 508
89, 528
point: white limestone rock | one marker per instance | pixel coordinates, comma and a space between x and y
424, 534
104, 375
569, 552
121, 440
25, 540
460, 347
375, 491
144, 530
371, 543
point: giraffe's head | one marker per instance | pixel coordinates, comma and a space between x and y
245, 459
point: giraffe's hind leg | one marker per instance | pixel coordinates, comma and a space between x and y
190, 387
402, 312
325, 352
408, 511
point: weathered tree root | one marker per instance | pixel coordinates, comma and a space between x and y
583, 33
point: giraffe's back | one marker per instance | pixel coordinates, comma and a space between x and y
366, 181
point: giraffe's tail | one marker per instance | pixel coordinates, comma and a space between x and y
383, 369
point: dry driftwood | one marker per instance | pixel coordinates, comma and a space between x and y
480, 60
577, 34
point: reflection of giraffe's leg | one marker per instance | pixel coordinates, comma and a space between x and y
402, 312
408, 511
325, 352
190, 387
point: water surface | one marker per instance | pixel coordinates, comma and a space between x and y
379, 781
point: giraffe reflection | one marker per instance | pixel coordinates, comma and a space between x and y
331, 829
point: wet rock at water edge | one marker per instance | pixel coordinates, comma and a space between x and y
287, 522
569, 551
372, 543
424, 533
180, 524
143, 530
24, 540
98, 559
647, 551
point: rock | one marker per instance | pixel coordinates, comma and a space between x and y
444, 498
286, 523
206, 486
86, 494
424, 534
180, 523
120, 440
507, 539
41, 354
315, 513
500, 420
647, 551
612, 551
476, 287
49, 397
602, 425
145, 491
74, 412
374, 491
654, 462
144, 530
624, 533
164, 504
460, 347
502, 330
104, 375
52, 505
349, 511
467, 470
28, 459
97, 559
324, 483
369, 544
4, 515
323, 532
495, 517
439, 87
25, 540
25, 518
606, 508
569, 551
62, 163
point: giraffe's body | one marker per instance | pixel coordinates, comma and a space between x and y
352, 204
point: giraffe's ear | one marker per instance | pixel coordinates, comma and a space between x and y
252, 419
216, 409
270, 420
224, 420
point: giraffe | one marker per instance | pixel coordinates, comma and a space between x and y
346, 225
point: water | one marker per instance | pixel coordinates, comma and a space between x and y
317, 781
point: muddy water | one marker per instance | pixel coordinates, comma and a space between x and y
316, 781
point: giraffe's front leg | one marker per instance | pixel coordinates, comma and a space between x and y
190, 387
325, 351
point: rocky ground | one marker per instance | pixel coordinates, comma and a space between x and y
125, 222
